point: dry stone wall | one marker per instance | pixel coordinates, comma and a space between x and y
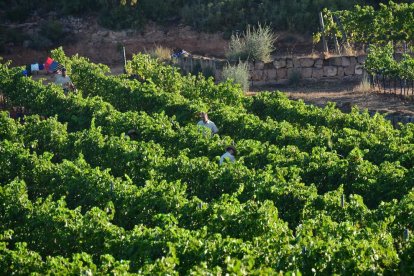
283, 69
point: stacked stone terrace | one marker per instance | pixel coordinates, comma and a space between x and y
283, 69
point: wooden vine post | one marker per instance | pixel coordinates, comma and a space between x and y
342, 30
324, 42
124, 56
337, 48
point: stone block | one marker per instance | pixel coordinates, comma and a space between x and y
317, 73
112, 35
259, 65
330, 71
306, 62
346, 61
359, 69
318, 63
270, 74
349, 70
281, 73
289, 63
279, 63
251, 66
335, 61
296, 62
306, 73
268, 65
353, 61
341, 71
256, 75
291, 72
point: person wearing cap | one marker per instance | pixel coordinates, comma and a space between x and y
205, 122
229, 155
64, 81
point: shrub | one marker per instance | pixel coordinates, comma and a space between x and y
9, 35
228, 15
40, 42
253, 44
211, 15
51, 34
239, 74
208, 72
122, 17
364, 86
161, 53
52, 30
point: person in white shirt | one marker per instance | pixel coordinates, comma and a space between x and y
229, 155
205, 122
64, 81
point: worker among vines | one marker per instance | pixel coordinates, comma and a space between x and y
229, 155
206, 123
64, 80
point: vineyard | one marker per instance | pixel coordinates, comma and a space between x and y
388, 74
313, 190
366, 24
383, 31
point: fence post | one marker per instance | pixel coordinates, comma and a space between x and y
124, 56
395, 86
341, 28
324, 43
337, 48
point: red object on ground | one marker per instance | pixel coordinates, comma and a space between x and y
48, 62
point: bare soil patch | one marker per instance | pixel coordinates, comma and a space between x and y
345, 95
104, 46
89, 39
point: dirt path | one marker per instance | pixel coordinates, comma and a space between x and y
346, 95
382, 103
